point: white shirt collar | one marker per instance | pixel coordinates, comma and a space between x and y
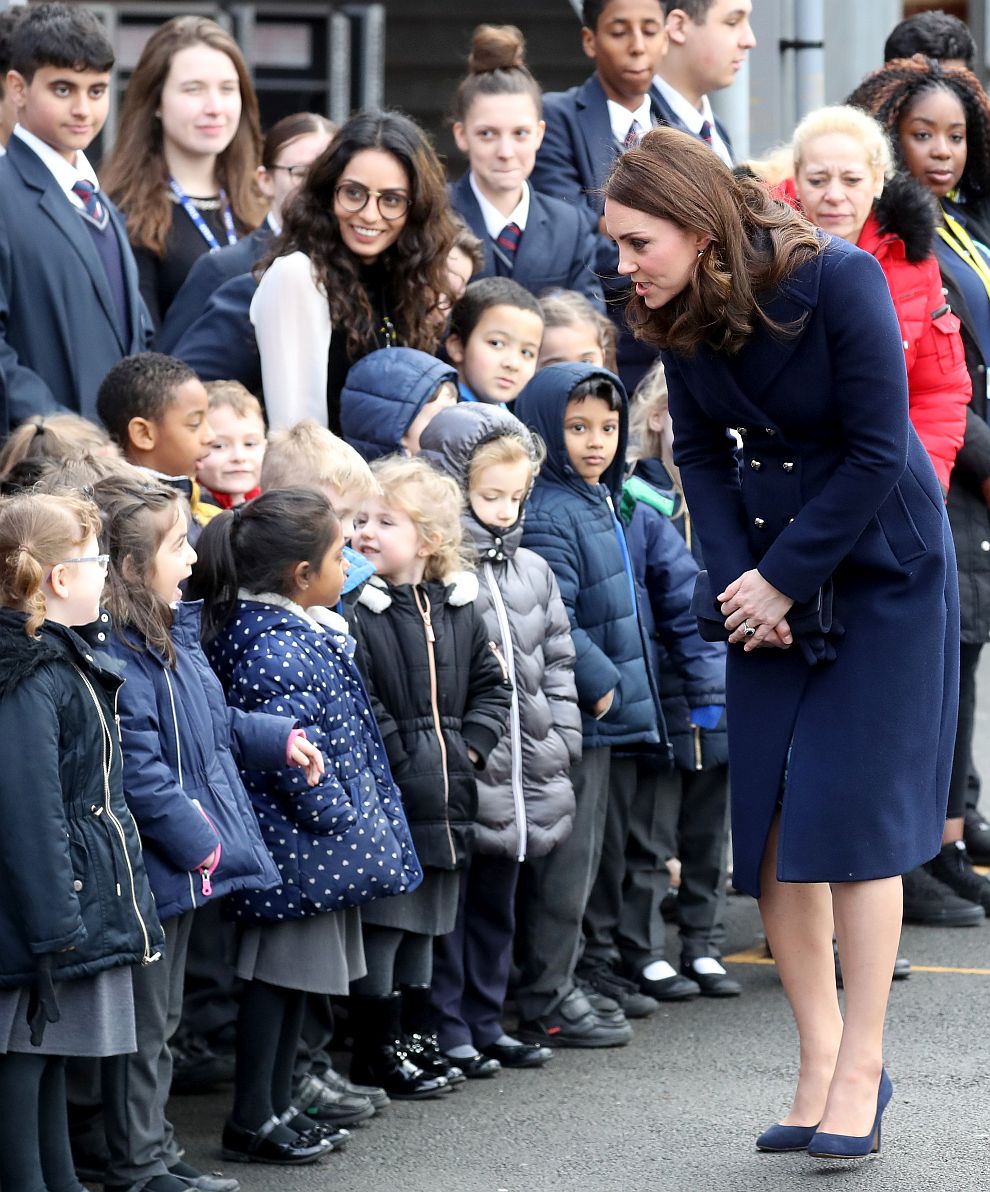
495, 221
691, 117
65, 175
273, 223
621, 118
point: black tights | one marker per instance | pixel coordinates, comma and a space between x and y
394, 957
269, 1025
34, 1130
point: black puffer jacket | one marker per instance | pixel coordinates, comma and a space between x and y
433, 701
71, 872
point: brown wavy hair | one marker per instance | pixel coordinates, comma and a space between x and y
416, 264
38, 530
756, 242
136, 176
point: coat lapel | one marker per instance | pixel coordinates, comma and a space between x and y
596, 129
463, 199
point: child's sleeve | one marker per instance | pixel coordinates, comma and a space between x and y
558, 673
259, 687
489, 695
34, 842
258, 740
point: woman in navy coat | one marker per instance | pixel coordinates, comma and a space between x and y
840, 742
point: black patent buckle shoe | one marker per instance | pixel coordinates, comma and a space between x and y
424, 1051
479, 1067
256, 1146
518, 1055
712, 983
332, 1137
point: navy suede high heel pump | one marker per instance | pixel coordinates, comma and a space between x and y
847, 1146
785, 1138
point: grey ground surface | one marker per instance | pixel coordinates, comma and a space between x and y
678, 1109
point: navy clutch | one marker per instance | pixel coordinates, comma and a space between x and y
810, 619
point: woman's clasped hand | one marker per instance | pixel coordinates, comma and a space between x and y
751, 602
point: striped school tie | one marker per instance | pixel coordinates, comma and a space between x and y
508, 238
632, 136
706, 133
93, 209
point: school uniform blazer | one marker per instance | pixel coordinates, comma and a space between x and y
219, 344
671, 118
59, 330
833, 485
577, 154
208, 274
557, 248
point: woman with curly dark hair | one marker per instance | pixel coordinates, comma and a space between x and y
183, 170
361, 264
938, 121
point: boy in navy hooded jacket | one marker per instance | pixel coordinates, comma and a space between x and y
580, 412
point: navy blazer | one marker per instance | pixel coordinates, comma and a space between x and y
220, 345
207, 275
833, 485
671, 118
59, 329
557, 249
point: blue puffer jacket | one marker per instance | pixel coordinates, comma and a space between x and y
180, 777
690, 671
384, 392
573, 525
345, 841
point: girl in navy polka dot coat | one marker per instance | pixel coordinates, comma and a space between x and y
269, 573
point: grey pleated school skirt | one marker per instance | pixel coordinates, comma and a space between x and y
96, 1017
431, 909
318, 954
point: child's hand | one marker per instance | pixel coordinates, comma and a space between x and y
304, 754
600, 707
474, 755
209, 862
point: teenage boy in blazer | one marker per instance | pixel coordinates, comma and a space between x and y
70, 307
707, 43
588, 126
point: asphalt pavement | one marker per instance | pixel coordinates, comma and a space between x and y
678, 1109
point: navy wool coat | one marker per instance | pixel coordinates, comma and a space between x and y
219, 345
344, 841
833, 483
573, 525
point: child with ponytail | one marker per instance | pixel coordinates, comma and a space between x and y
76, 913
536, 240
181, 782
525, 796
441, 695
269, 573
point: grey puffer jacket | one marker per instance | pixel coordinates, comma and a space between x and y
525, 796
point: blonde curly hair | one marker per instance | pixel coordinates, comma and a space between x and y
432, 501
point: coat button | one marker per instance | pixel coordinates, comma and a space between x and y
788, 466
77, 885
906, 345
984, 545
759, 522
755, 464
101, 637
768, 430
742, 430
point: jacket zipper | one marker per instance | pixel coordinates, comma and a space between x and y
148, 958
697, 748
515, 738
178, 763
431, 637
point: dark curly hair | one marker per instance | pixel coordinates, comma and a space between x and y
889, 93
416, 264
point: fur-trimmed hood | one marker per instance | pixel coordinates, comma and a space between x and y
907, 210
21, 656
462, 589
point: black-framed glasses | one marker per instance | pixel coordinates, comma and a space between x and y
353, 197
296, 173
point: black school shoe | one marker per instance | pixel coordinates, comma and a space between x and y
713, 980
930, 903
518, 1055
573, 1023
976, 833
317, 1100
631, 1000
952, 866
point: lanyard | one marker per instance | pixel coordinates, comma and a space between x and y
199, 222
960, 241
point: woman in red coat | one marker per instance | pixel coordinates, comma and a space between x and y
845, 183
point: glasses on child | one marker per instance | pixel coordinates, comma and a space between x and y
296, 173
102, 561
353, 197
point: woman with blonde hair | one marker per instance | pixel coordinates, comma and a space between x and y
829, 562
183, 170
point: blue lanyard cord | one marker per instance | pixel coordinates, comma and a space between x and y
190, 208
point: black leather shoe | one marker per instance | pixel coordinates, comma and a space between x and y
255, 1146
677, 988
478, 1067
379, 1057
713, 984
631, 1000
330, 1106
518, 1055
202, 1182
337, 1082
976, 833
573, 1023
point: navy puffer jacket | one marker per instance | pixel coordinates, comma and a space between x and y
180, 775
344, 841
384, 392
573, 525
74, 893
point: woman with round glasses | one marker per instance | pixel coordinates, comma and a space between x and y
360, 265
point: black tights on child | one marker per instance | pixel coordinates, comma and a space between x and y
394, 958
269, 1025
34, 1129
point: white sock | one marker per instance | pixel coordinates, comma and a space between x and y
659, 970
464, 1052
706, 965
507, 1041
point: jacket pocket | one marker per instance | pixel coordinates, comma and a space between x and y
948, 343
898, 528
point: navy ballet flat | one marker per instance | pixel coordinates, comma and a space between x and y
847, 1146
786, 1138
